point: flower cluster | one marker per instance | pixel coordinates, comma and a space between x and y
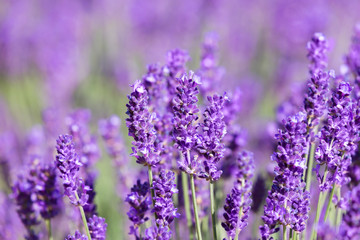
23, 195
68, 163
213, 130
318, 85
287, 203
237, 204
185, 111
164, 187
338, 138
76, 236
139, 201
141, 128
97, 228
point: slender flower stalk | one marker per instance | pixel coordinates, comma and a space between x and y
316, 95
213, 130
238, 202
338, 141
68, 164
288, 202
193, 194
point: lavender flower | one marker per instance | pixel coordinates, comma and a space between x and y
176, 60
213, 129
67, 161
209, 72
237, 204
23, 193
109, 130
164, 187
350, 229
317, 87
97, 228
85, 143
338, 138
185, 116
141, 128
287, 203
140, 202
47, 191
157, 233
76, 236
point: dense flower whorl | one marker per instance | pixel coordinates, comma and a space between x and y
164, 187
68, 163
85, 143
109, 131
287, 202
318, 85
141, 128
185, 111
157, 233
176, 61
23, 191
140, 202
338, 138
76, 236
317, 48
213, 130
209, 71
350, 228
97, 228
47, 192
237, 204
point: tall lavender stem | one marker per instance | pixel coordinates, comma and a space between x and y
193, 194
185, 186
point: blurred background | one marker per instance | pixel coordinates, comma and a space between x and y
61, 55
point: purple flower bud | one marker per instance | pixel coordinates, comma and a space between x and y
238, 202
68, 163
76, 236
140, 202
23, 193
164, 187
157, 233
141, 128
97, 228
213, 130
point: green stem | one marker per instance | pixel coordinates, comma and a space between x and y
310, 163
329, 203
240, 213
185, 187
338, 211
176, 203
318, 211
48, 225
151, 185
193, 193
83, 217
284, 232
213, 209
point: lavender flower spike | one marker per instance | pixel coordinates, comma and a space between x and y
23, 190
97, 228
140, 202
237, 205
141, 128
164, 187
67, 161
317, 86
47, 191
287, 203
76, 236
185, 111
209, 141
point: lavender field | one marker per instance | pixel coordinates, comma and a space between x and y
179, 119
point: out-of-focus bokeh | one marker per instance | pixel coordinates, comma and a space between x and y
57, 56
